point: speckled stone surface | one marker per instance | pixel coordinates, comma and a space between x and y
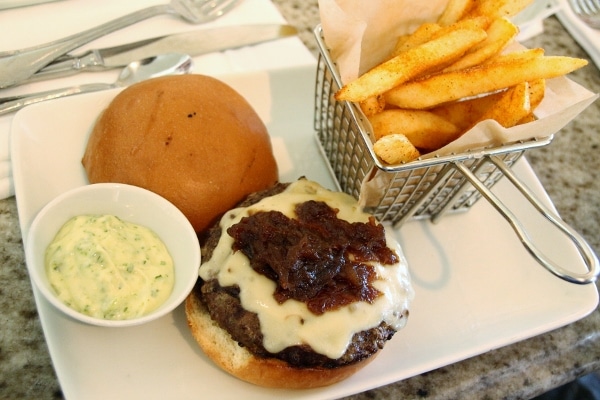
569, 169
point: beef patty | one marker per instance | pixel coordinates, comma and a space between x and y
225, 308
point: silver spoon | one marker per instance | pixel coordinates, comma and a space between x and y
137, 71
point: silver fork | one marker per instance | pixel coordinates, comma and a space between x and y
588, 11
18, 65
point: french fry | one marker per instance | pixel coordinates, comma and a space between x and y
478, 22
430, 30
498, 8
410, 64
463, 114
527, 119
516, 56
454, 11
421, 35
512, 106
395, 149
424, 129
500, 32
445, 87
372, 105
537, 90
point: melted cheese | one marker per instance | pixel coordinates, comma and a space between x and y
107, 268
291, 323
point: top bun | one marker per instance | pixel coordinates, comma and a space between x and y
190, 138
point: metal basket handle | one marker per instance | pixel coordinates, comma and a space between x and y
590, 259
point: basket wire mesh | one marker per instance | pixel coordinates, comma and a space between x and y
424, 188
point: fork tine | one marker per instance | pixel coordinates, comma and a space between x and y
585, 8
201, 11
213, 9
588, 11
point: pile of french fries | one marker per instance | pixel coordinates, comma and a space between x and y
447, 76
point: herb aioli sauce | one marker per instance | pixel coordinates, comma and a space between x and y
108, 268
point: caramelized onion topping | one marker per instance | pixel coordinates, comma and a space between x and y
317, 258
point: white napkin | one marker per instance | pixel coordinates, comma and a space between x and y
587, 37
4, 4
33, 25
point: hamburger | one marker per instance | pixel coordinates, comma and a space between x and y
298, 288
190, 138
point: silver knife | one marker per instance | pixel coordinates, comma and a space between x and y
193, 43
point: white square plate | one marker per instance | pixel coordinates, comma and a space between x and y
476, 287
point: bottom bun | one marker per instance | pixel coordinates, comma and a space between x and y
239, 362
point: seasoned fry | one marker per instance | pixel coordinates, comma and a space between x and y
441, 88
516, 56
527, 119
395, 149
478, 22
410, 64
421, 35
373, 105
498, 8
463, 114
499, 34
537, 90
512, 106
455, 10
430, 30
424, 129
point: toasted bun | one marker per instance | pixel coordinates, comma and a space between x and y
239, 362
190, 138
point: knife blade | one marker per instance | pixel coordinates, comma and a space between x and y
193, 43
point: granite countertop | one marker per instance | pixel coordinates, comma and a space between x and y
569, 170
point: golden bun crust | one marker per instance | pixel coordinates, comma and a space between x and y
218, 345
190, 138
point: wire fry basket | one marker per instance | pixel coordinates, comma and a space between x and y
425, 188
